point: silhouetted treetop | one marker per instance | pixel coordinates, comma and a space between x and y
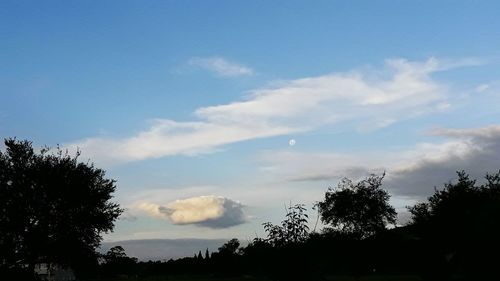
115, 253
293, 228
230, 247
357, 208
462, 223
461, 205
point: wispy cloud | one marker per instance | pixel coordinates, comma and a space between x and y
208, 211
221, 66
365, 100
351, 94
167, 137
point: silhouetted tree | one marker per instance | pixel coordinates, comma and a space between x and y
461, 223
207, 254
53, 208
116, 261
359, 209
451, 205
293, 228
230, 247
227, 259
115, 253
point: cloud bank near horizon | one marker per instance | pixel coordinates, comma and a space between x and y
412, 173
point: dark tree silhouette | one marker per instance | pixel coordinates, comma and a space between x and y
359, 209
116, 261
452, 205
230, 247
115, 253
293, 228
53, 208
461, 223
227, 259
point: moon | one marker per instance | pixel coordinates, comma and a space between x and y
291, 142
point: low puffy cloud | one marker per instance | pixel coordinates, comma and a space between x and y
221, 66
412, 173
208, 211
363, 100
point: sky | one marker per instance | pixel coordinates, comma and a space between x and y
213, 116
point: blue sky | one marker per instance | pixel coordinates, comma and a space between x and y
196, 101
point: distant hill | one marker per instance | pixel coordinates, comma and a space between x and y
164, 249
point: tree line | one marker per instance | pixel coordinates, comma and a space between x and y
453, 235
54, 209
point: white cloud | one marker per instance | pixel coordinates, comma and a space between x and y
352, 95
221, 66
366, 101
166, 137
208, 211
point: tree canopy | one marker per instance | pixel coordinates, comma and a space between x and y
461, 204
53, 208
359, 208
230, 247
462, 222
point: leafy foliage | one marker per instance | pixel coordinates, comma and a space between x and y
53, 208
360, 209
293, 228
459, 203
461, 221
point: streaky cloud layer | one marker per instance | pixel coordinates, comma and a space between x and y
367, 100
